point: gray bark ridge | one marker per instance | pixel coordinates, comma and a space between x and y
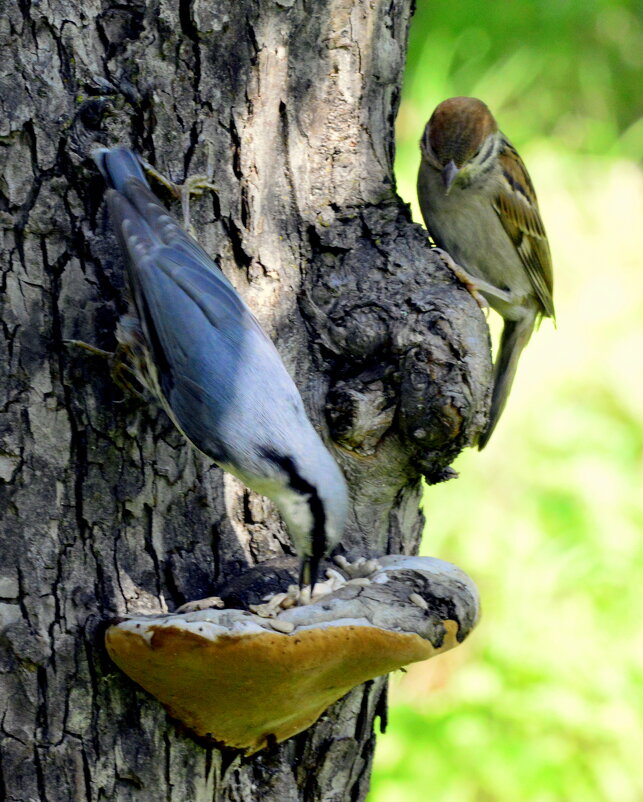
289, 106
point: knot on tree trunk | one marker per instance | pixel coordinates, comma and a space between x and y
406, 372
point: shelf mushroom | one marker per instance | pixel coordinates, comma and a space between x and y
247, 678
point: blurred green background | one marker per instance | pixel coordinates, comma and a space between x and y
544, 702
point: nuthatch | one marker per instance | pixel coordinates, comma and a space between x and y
201, 351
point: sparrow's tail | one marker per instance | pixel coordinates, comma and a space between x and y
515, 336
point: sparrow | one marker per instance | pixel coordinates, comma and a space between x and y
479, 205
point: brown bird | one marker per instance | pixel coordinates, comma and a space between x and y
479, 205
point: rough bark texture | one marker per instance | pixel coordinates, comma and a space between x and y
289, 105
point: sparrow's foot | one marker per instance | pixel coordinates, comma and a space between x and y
194, 185
474, 285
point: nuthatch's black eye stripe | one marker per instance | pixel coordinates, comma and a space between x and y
306, 490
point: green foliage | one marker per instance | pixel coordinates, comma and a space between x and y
544, 703
568, 70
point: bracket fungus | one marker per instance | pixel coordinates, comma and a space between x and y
246, 679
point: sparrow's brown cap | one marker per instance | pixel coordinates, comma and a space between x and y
458, 128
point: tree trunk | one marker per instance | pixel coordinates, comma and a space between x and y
289, 105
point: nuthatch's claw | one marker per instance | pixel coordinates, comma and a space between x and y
120, 364
91, 348
193, 185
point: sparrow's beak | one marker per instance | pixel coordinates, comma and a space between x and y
449, 174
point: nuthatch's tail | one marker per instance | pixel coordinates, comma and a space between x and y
515, 336
117, 165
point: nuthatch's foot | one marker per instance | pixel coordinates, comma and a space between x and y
359, 569
121, 369
194, 185
472, 284
358, 572
91, 348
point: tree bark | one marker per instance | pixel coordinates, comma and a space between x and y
289, 105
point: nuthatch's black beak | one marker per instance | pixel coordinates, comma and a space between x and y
449, 174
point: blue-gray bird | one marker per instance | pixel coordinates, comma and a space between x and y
201, 351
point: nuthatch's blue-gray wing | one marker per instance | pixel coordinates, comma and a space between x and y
216, 372
213, 361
